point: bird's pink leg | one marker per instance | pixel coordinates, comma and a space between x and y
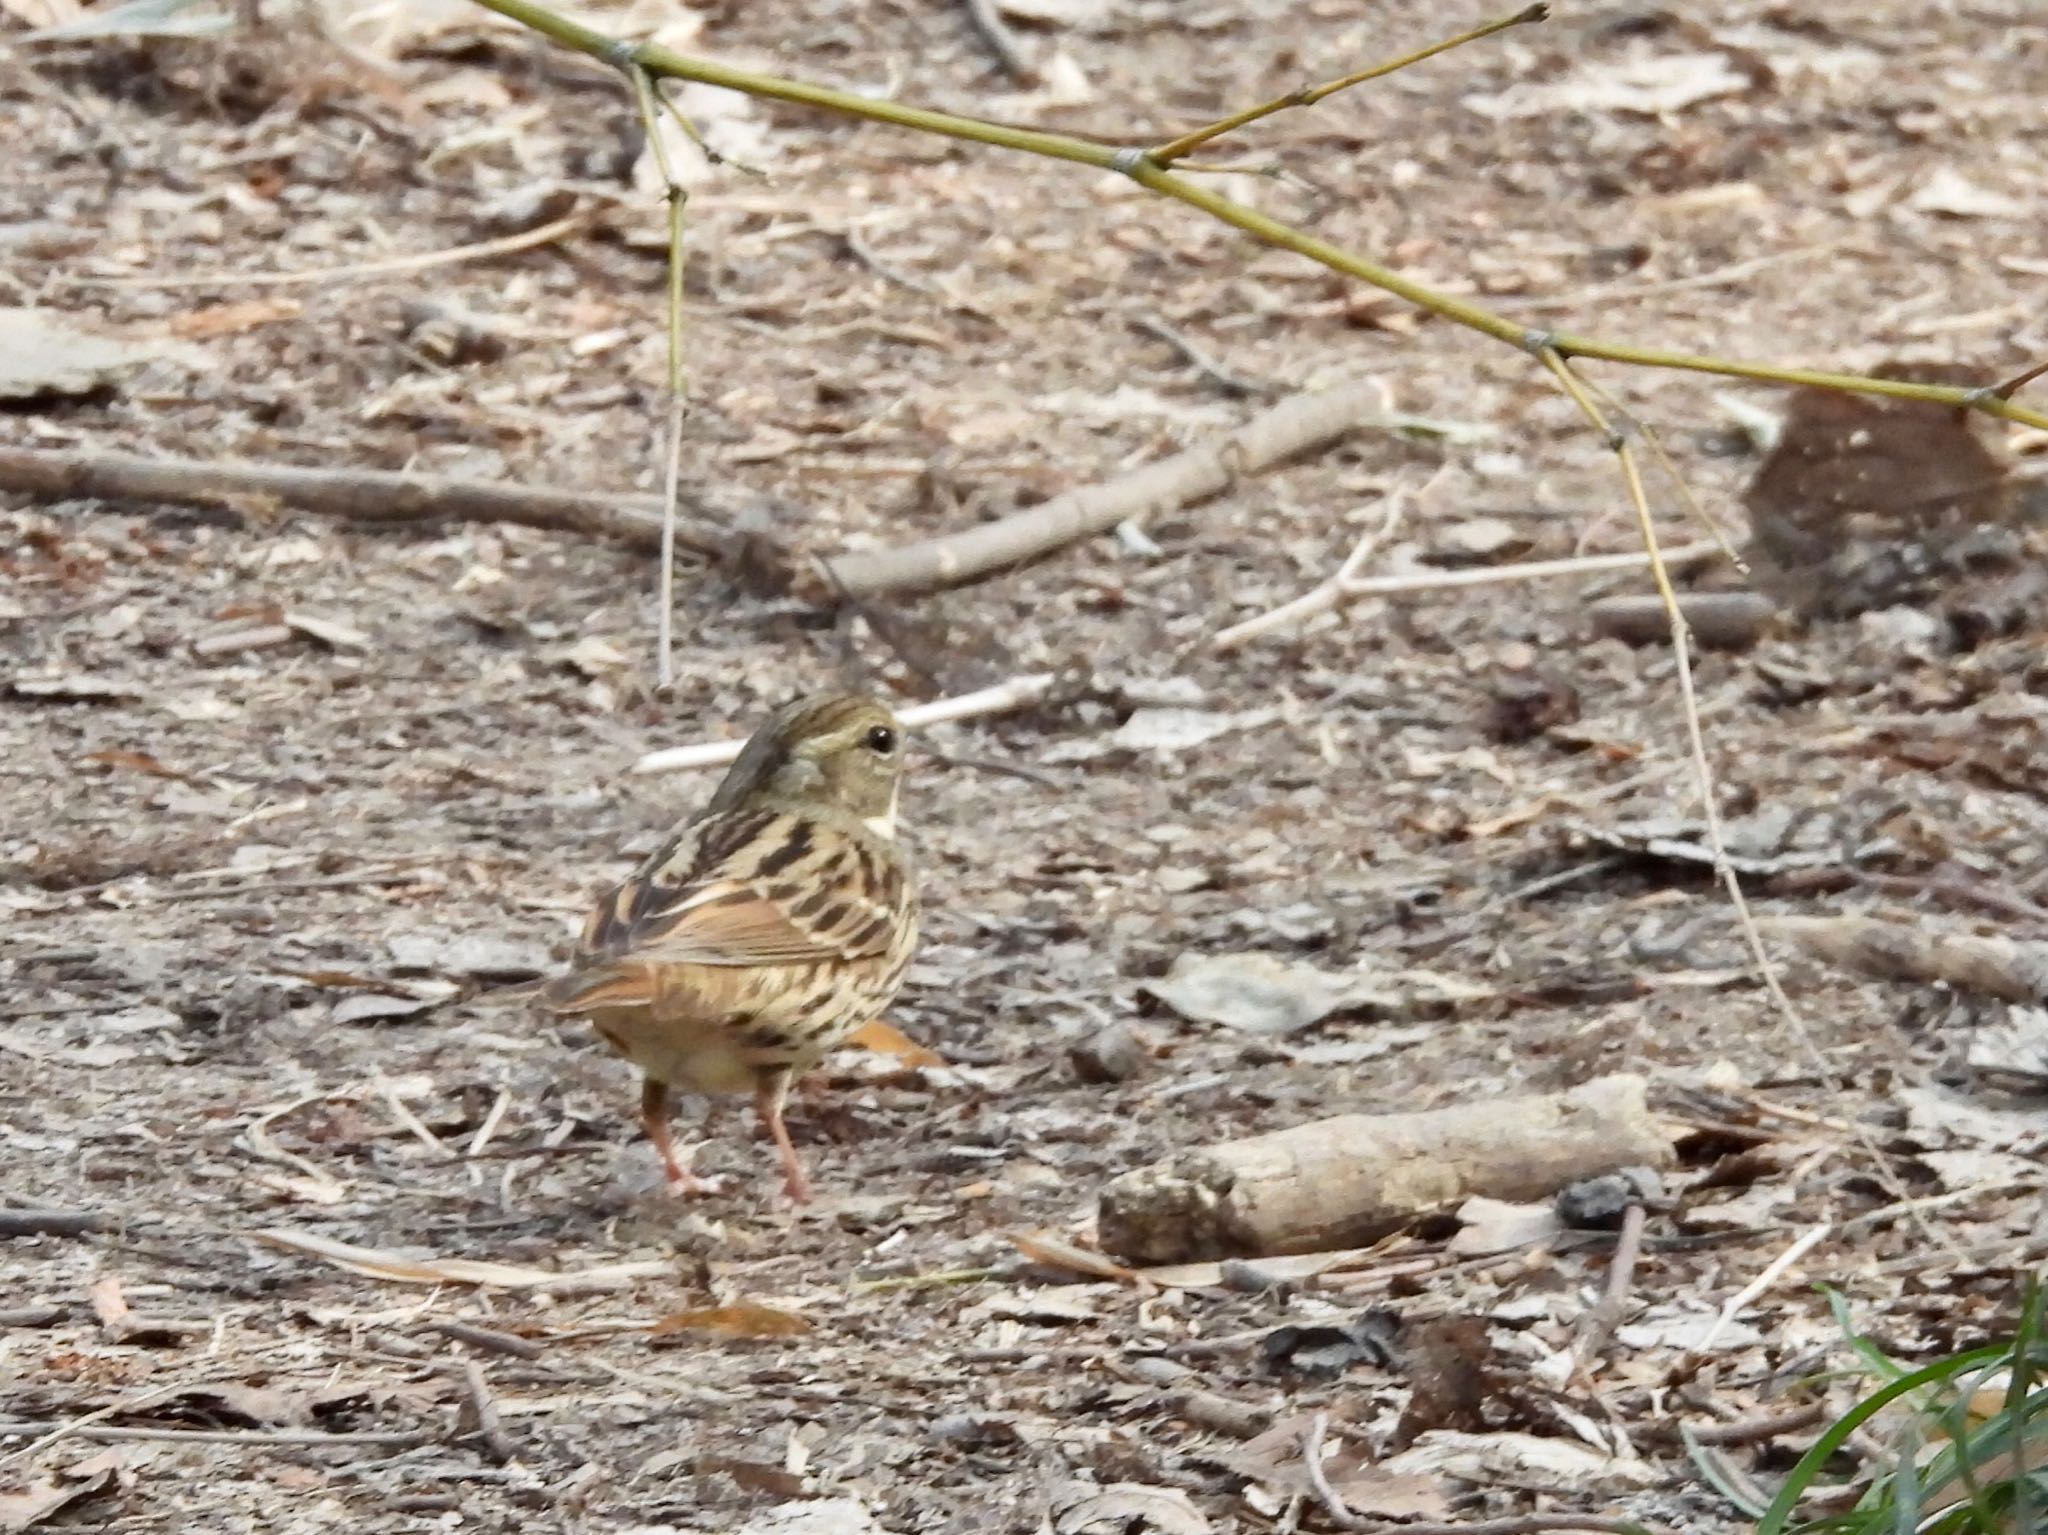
654, 1115
768, 1099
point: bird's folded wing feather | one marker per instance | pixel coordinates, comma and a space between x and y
740, 890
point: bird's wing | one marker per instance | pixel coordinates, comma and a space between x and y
742, 889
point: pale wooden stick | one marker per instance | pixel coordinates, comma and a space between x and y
1004, 696
1333, 593
1296, 425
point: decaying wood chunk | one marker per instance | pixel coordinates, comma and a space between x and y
1345, 1181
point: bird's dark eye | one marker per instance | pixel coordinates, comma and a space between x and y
882, 739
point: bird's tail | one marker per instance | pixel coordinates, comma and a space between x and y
584, 991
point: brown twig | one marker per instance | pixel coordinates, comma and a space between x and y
358, 495
477, 1418
1759, 1426
1597, 1326
1299, 424
489, 1340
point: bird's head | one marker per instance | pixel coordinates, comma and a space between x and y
832, 751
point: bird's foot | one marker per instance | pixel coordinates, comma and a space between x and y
684, 1184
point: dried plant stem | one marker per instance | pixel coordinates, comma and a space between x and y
650, 99
1703, 772
482, 250
1308, 96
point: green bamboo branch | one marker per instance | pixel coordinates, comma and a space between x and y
1309, 95
1139, 165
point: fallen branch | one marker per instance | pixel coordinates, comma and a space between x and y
1017, 693
368, 495
1894, 951
1297, 425
1347, 1181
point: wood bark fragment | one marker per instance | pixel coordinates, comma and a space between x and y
1895, 951
1718, 620
1296, 425
1346, 1181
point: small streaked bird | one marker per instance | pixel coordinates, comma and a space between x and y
764, 931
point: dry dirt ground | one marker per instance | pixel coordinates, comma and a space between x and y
256, 896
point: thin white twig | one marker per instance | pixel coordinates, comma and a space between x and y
489, 1127
410, 1121
1017, 693
1332, 593
1770, 1276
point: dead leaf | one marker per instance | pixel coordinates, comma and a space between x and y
1381, 1494
1520, 1460
42, 13
1452, 1364
1650, 87
108, 1304
1125, 1508
818, 1516
739, 1319
887, 1039
42, 355
380, 1263
752, 1475
75, 688
141, 762
232, 319
328, 631
46, 1496
1494, 1226
1057, 1252
1269, 994
377, 1007
1280, 1267
1950, 193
